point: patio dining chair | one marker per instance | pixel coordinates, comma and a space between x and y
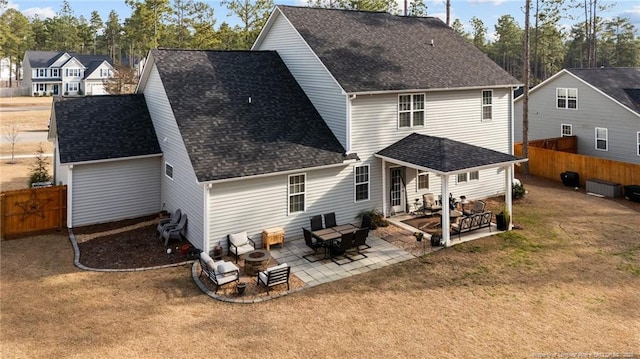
175, 232
338, 251
330, 220
359, 243
171, 221
315, 245
316, 223
366, 221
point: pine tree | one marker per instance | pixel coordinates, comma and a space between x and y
38, 170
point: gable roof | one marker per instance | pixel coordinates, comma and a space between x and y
39, 59
96, 128
620, 83
376, 51
442, 155
241, 113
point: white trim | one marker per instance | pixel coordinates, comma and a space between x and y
356, 183
303, 193
566, 99
112, 159
418, 174
638, 144
205, 224
69, 196
386, 92
343, 164
562, 125
606, 139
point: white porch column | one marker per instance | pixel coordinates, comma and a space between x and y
507, 193
384, 191
444, 189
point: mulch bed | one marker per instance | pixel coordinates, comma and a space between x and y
126, 244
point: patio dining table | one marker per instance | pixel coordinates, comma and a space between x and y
328, 235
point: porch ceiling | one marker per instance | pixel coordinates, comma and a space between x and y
444, 156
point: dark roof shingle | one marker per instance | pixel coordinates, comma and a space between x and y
95, 128
377, 51
620, 83
442, 154
241, 113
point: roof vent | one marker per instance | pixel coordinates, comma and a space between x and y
432, 44
249, 99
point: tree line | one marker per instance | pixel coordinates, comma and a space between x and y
592, 41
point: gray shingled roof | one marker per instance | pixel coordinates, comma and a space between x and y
241, 113
442, 154
39, 59
95, 128
621, 83
377, 51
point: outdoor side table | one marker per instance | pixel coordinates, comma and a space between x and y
271, 236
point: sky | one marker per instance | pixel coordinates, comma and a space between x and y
487, 10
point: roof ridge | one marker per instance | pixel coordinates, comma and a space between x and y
358, 10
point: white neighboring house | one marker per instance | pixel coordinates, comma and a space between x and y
65, 73
601, 107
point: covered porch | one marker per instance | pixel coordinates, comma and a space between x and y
444, 158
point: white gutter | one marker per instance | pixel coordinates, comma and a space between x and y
112, 160
384, 92
344, 163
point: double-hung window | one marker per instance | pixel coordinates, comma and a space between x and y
411, 110
55, 72
602, 139
42, 72
566, 130
567, 98
423, 180
361, 182
487, 105
72, 87
297, 193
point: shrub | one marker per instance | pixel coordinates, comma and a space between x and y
377, 218
80, 92
518, 191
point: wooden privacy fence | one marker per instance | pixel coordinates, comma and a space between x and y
550, 164
564, 144
32, 210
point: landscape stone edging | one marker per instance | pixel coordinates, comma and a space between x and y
76, 260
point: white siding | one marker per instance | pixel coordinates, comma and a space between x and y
183, 191
451, 114
321, 88
61, 171
594, 110
110, 191
255, 204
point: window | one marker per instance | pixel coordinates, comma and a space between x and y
40, 87
566, 98
105, 72
296, 193
55, 72
72, 87
42, 73
487, 101
468, 176
566, 130
602, 139
73, 72
411, 110
423, 179
168, 170
362, 183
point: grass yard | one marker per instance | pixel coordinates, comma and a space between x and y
36, 120
566, 283
16, 175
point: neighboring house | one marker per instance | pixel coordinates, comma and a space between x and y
601, 107
65, 73
106, 152
334, 111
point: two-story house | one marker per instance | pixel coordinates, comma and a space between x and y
601, 107
64, 73
332, 111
